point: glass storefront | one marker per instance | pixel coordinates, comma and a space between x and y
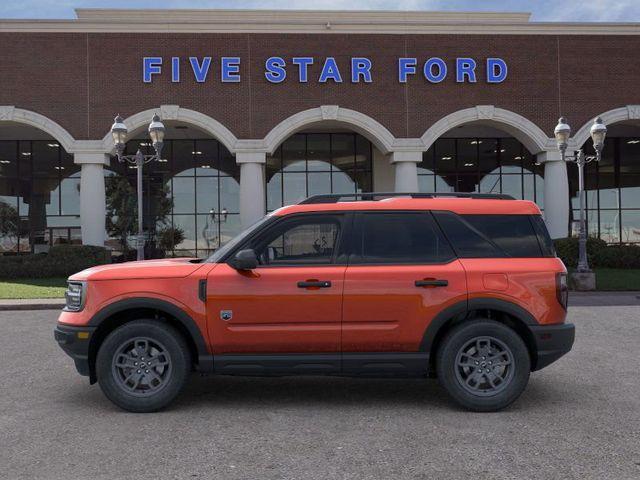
486, 165
313, 163
196, 187
39, 196
201, 180
612, 189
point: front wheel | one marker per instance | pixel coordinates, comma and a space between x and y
143, 365
483, 364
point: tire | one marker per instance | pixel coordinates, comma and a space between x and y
140, 383
483, 341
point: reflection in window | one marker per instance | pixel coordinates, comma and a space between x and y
39, 196
202, 179
315, 163
486, 165
312, 242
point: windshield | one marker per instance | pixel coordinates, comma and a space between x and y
235, 241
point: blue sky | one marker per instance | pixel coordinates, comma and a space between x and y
543, 10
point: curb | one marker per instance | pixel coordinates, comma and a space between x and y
38, 304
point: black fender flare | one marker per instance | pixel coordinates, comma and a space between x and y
461, 309
205, 359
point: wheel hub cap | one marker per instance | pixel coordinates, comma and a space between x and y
484, 366
141, 366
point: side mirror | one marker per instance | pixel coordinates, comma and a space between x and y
244, 260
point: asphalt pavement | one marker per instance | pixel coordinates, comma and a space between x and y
579, 418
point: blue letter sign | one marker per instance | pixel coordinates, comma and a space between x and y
275, 69
330, 71
323, 70
151, 66
200, 71
428, 70
406, 66
496, 70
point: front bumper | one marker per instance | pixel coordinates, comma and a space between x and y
75, 343
552, 342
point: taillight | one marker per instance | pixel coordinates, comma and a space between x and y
562, 289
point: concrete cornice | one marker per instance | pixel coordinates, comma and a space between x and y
311, 21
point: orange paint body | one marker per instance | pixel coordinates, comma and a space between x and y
367, 309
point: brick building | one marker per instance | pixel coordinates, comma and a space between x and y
264, 108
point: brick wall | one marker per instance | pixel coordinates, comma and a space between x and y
82, 80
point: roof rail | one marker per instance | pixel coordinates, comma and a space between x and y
370, 196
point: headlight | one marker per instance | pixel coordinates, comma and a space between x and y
75, 296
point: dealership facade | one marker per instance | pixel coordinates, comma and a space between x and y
263, 108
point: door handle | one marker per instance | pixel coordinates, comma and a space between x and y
314, 284
432, 283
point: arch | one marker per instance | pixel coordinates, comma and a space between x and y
629, 112
373, 130
527, 132
177, 113
9, 113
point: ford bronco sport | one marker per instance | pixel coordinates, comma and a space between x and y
465, 287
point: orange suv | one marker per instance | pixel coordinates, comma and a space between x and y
465, 287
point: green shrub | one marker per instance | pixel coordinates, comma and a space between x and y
618, 256
61, 261
567, 249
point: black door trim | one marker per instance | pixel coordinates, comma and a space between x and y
373, 364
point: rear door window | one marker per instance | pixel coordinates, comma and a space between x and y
399, 238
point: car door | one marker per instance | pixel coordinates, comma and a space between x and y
401, 273
292, 302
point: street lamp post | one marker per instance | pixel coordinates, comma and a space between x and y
119, 133
562, 133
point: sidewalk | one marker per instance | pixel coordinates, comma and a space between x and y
603, 299
576, 299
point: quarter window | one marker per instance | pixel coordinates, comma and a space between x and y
410, 238
514, 234
494, 236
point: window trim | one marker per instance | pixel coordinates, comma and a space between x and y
355, 257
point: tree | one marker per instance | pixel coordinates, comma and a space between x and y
122, 210
9, 221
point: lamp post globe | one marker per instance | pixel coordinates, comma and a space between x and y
156, 132
562, 133
598, 133
119, 133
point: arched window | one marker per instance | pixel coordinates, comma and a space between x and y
486, 165
315, 163
612, 188
39, 196
201, 180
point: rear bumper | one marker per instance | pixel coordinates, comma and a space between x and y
552, 342
75, 343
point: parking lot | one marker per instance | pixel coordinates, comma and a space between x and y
579, 418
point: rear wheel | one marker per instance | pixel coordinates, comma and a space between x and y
483, 364
143, 365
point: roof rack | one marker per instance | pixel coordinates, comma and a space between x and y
370, 196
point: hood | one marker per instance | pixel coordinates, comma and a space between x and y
166, 268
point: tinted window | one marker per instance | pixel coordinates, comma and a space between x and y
514, 234
400, 238
546, 244
467, 241
486, 236
309, 241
